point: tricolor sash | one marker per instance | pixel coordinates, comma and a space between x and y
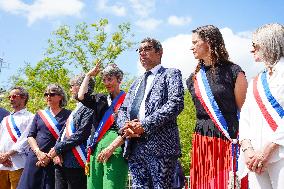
271, 110
12, 128
206, 97
105, 123
50, 122
80, 150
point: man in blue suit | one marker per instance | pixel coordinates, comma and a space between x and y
148, 118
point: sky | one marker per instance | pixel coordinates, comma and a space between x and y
26, 25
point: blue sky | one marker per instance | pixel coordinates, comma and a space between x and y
27, 24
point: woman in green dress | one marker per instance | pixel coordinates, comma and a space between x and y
107, 169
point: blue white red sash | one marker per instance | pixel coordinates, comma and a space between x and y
205, 96
12, 128
106, 122
271, 110
50, 122
80, 150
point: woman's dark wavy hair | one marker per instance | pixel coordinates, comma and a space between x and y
214, 38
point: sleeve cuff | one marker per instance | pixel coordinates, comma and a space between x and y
58, 148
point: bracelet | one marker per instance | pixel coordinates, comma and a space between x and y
245, 149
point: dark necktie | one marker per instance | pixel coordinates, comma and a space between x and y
139, 96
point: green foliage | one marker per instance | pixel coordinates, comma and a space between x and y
81, 49
186, 123
84, 47
68, 49
35, 79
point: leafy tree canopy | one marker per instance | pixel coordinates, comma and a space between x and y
70, 50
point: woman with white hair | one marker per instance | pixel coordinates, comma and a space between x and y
261, 120
106, 167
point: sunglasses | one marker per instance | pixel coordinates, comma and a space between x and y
50, 94
14, 96
145, 49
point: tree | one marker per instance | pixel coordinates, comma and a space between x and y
69, 50
186, 123
81, 49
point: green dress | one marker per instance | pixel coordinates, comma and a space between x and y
113, 173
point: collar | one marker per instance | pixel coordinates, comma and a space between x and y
109, 101
155, 69
22, 111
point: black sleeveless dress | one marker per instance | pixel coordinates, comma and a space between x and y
211, 150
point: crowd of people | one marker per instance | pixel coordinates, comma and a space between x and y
238, 141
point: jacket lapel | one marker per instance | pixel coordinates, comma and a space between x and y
157, 77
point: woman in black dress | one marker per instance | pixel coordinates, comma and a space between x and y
211, 157
39, 169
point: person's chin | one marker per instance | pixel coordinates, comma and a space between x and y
195, 56
144, 66
109, 90
257, 59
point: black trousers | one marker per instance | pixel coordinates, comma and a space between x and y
70, 178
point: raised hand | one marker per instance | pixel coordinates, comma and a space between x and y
94, 72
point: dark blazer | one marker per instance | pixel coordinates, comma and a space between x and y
83, 121
86, 119
163, 104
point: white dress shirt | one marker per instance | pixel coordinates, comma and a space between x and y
23, 120
253, 125
150, 79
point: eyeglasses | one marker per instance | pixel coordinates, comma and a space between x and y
145, 49
50, 94
14, 96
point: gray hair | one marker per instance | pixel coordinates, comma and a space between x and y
78, 80
58, 90
270, 39
113, 70
23, 92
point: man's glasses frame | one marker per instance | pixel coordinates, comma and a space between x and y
145, 49
14, 96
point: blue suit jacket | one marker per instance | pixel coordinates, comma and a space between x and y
163, 104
